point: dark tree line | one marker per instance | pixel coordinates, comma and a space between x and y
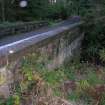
43, 9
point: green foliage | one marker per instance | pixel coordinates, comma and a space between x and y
42, 9
57, 92
69, 73
16, 99
10, 101
93, 78
71, 69
82, 85
103, 100
94, 40
54, 78
27, 71
38, 7
73, 96
2, 101
102, 54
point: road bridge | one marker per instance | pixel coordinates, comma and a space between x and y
19, 42
52, 45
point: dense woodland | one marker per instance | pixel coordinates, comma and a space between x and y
44, 9
86, 78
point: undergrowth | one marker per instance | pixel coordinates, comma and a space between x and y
78, 82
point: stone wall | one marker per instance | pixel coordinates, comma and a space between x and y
51, 52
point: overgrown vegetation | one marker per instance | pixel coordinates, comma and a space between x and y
94, 42
79, 82
75, 82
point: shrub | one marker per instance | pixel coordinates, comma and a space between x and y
102, 54
94, 41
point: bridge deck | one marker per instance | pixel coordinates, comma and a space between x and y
19, 42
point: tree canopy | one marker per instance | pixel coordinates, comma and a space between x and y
42, 9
